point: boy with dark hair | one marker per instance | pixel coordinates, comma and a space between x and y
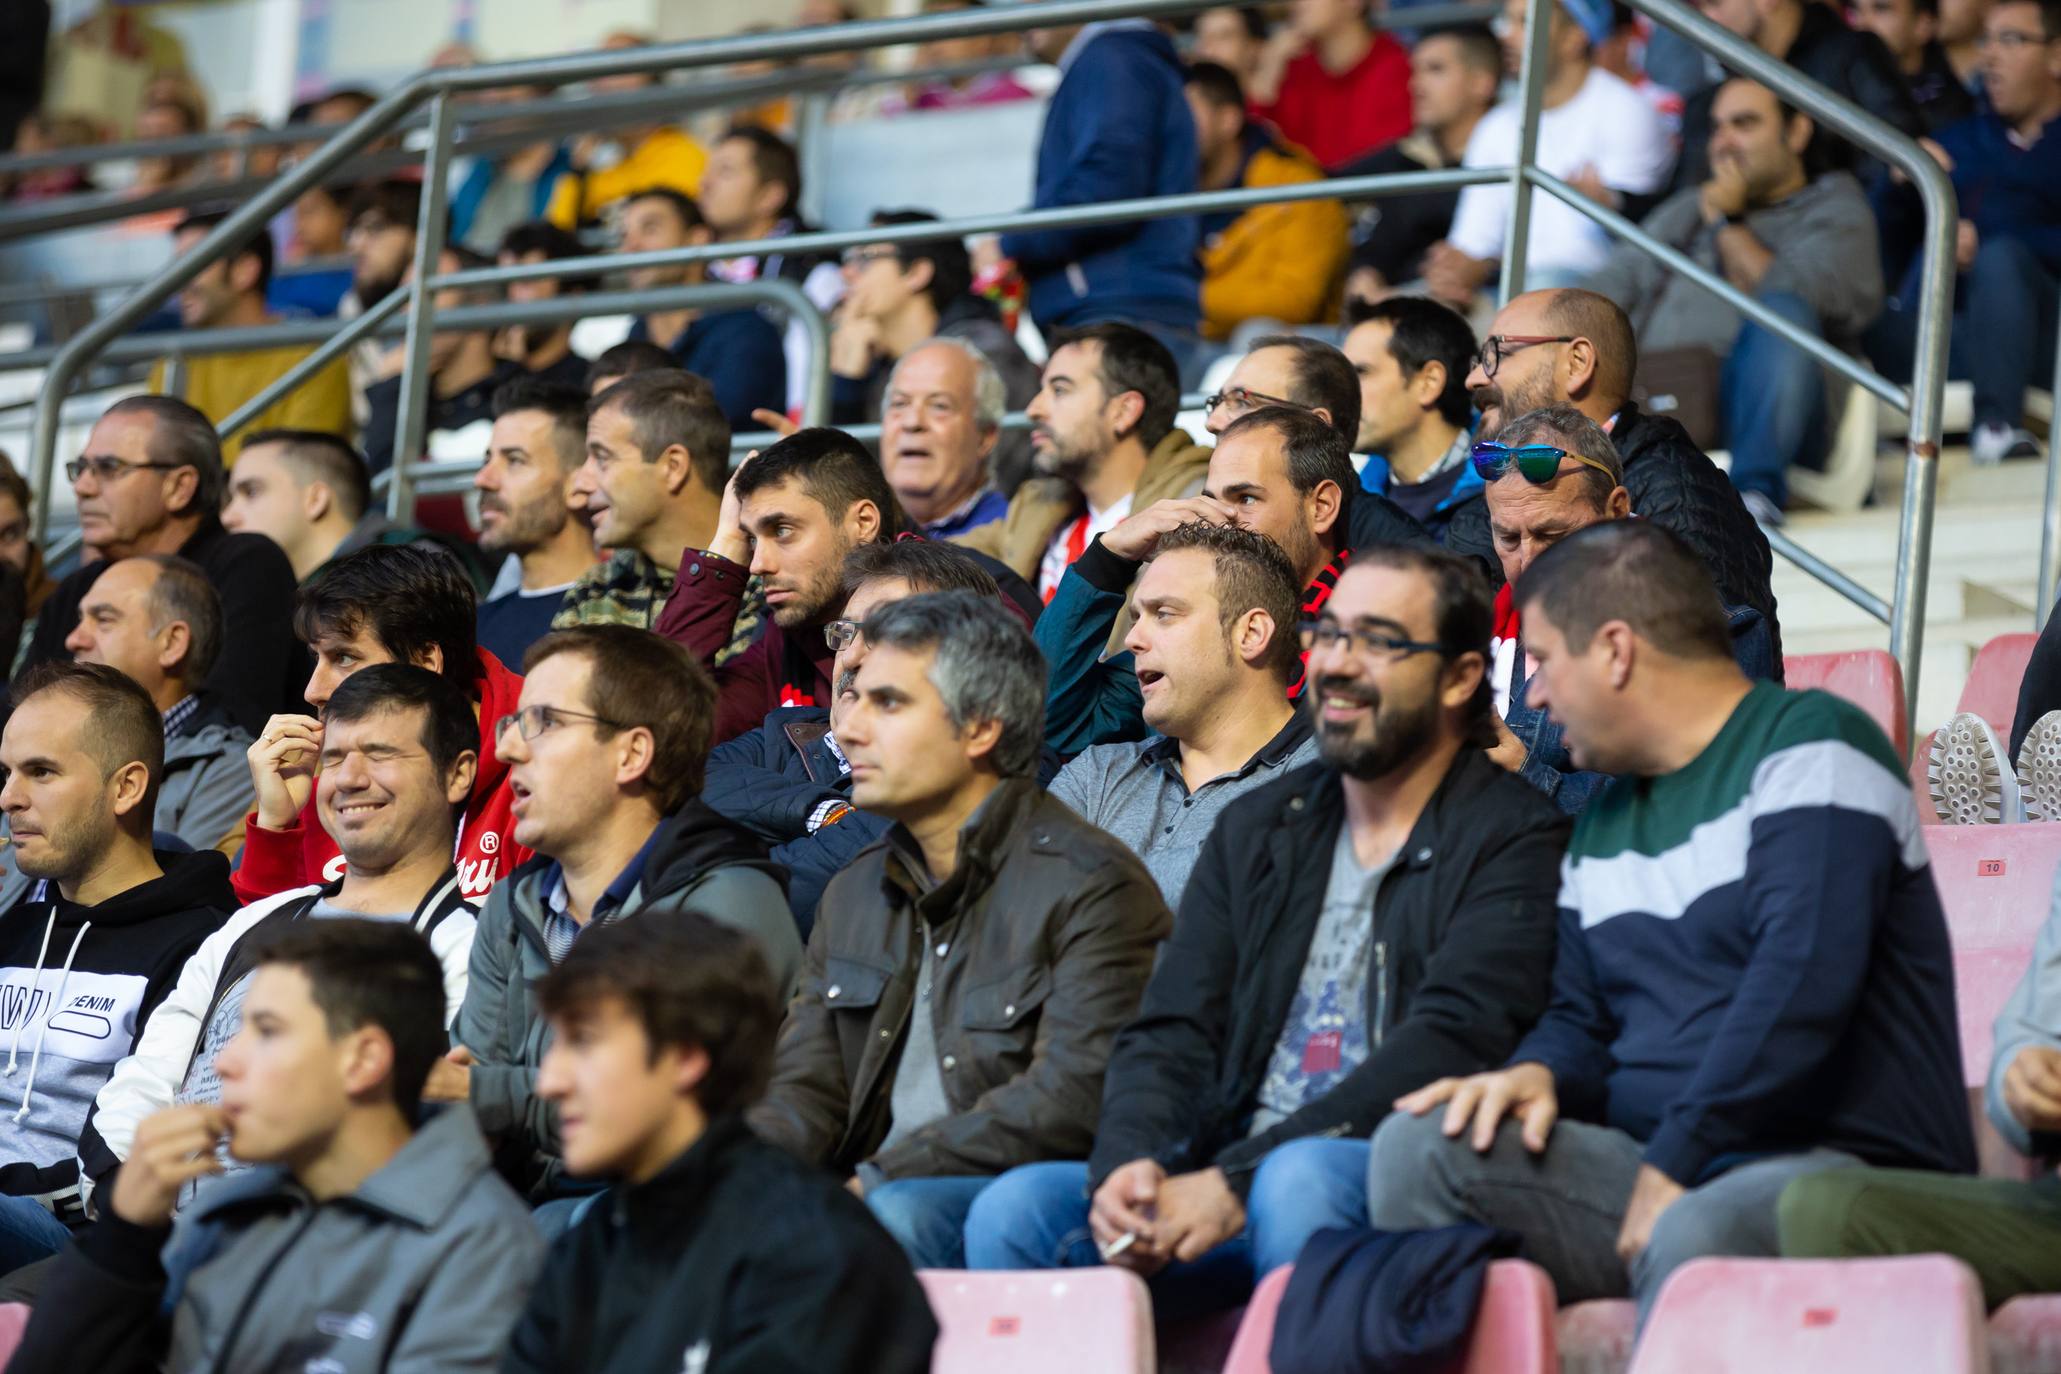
734, 1253
544, 348
407, 603
377, 1238
626, 359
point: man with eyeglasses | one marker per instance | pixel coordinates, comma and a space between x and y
150, 480
2006, 169
605, 756
1752, 982
1352, 931
1552, 473
1570, 347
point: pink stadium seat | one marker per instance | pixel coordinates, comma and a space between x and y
1991, 691
1996, 882
1921, 1312
1513, 1331
1597, 1337
1079, 1321
14, 1320
2025, 1335
1869, 678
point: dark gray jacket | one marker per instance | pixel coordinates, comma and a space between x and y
699, 862
425, 1267
206, 790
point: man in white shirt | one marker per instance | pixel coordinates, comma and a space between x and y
1595, 131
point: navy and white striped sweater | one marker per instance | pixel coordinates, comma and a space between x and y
1753, 958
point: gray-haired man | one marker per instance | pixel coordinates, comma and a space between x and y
940, 419
966, 976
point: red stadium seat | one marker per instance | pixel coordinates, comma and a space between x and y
14, 1322
1921, 1312
1513, 1330
1079, 1321
1869, 678
1991, 690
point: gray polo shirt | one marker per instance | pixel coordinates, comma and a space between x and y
1136, 793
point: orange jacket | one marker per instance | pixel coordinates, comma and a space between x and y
1275, 262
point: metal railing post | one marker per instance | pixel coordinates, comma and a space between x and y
410, 422
330, 349
2050, 513
1531, 93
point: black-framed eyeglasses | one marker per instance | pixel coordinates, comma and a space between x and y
1324, 634
106, 469
533, 721
839, 634
1538, 464
1497, 347
859, 257
1238, 400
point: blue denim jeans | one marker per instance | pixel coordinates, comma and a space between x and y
29, 1231
2003, 339
927, 1217
1772, 401
1036, 1217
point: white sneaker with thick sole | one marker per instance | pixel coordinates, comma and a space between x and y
2039, 769
1970, 775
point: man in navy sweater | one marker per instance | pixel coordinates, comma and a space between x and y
2006, 168
1753, 980
1118, 127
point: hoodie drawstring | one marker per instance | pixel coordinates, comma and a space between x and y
63, 978
29, 1007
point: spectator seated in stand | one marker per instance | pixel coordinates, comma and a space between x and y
537, 444
1104, 443
605, 755
544, 350
1345, 91
1118, 127
1278, 471
310, 494
1711, 1035
463, 371
960, 92
1552, 472
1910, 30
661, 1036
1413, 355
315, 275
651, 155
789, 780
1454, 76
1235, 38
380, 236
1576, 348
399, 755
405, 603
1802, 243
1280, 263
1595, 132
2001, 1228
150, 480
736, 348
899, 297
2006, 168
498, 195
939, 434
229, 293
624, 360
84, 752
1278, 1030
652, 485
1215, 644
365, 1216
155, 618
965, 976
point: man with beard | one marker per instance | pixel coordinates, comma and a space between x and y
658, 455
539, 433
1576, 348
789, 517
1351, 932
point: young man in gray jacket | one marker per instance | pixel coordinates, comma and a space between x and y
606, 755
377, 1239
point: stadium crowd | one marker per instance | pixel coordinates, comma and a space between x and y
642, 922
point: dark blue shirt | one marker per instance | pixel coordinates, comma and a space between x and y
508, 625
739, 354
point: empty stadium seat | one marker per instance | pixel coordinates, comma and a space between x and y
1079, 1321
1513, 1330
1996, 882
1719, 1316
1869, 678
1991, 691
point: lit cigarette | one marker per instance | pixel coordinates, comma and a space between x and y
1119, 1245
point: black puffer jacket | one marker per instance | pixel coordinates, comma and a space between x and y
1674, 484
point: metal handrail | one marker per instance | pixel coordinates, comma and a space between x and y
1923, 399
2050, 506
